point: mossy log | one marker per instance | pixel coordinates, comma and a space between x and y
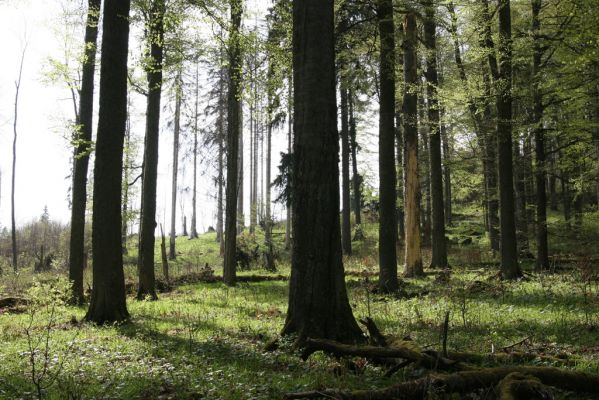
516, 386
422, 359
463, 382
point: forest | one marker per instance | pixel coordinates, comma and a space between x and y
299, 199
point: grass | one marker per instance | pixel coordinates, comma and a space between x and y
207, 340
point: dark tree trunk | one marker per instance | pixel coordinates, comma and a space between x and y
490, 139
233, 137
510, 268
447, 194
126, 174
566, 196
413, 255
439, 248
356, 180
289, 150
318, 302
401, 231
387, 196
108, 303
81, 153
172, 251
539, 136
345, 190
147, 280
194, 205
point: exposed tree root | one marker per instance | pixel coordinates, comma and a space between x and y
466, 382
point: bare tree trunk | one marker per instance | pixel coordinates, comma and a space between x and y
240, 174
194, 204
318, 302
81, 153
388, 281
108, 303
510, 268
14, 162
289, 150
439, 247
233, 138
356, 180
221, 163
345, 189
126, 176
172, 251
413, 255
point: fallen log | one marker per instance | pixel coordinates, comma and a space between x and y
422, 359
516, 386
461, 382
9, 302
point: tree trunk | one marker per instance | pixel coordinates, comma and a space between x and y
424, 172
542, 261
356, 179
221, 163
172, 251
233, 137
401, 231
318, 302
439, 247
194, 205
240, 176
147, 280
345, 190
14, 163
510, 268
445, 138
268, 223
289, 150
81, 153
413, 255
387, 214
108, 303
521, 201
126, 176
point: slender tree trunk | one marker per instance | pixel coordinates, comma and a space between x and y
387, 215
194, 204
318, 302
268, 223
147, 280
81, 153
221, 163
490, 138
510, 268
345, 190
126, 175
172, 251
424, 170
14, 163
289, 150
253, 151
233, 139
447, 195
413, 255
566, 196
439, 247
108, 303
401, 230
539, 134
356, 179
520, 192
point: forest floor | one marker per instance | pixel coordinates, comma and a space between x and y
206, 340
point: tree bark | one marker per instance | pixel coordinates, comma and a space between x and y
193, 228
233, 137
510, 268
356, 179
221, 162
81, 153
345, 189
147, 279
172, 251
388, 281
413, 255
318, 302
289, 150
439, 247
542, 261
108, 303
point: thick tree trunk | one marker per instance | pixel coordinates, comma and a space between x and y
147, 280
542, 261
510, 268
233, 137
356, 180
387, 196
194, 205
345, 189
413, 255
172, 251
108, 303
81, 153
318, 302
439, 247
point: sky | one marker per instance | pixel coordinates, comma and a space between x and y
44, 110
